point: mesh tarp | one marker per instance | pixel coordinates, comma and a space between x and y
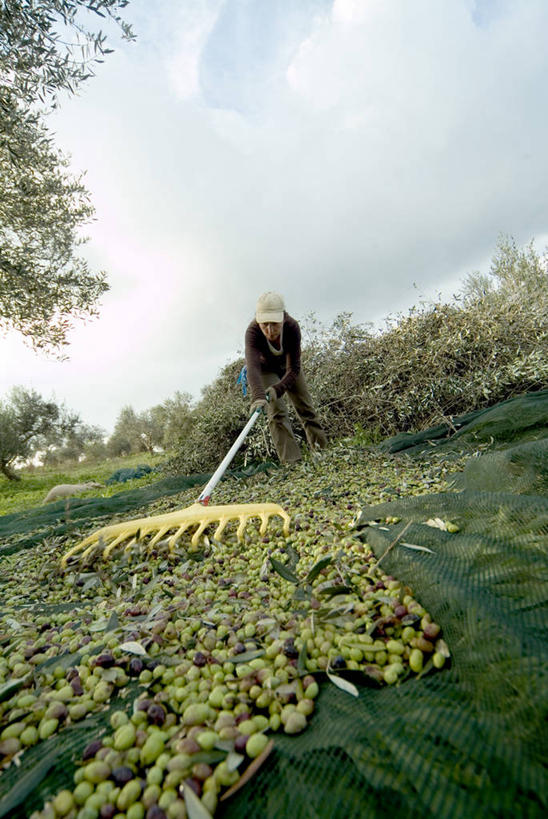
470, 741
518, 419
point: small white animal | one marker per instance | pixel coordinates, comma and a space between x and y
65, 490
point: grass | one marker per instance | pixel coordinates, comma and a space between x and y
35, 482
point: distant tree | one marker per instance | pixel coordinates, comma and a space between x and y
125, 436
28, 423
174, 419
135, 432
46, 48
80, 439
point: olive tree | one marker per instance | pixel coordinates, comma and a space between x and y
27, 424
47, 47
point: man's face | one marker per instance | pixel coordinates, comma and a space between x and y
272, 329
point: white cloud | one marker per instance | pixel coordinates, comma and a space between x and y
194, 25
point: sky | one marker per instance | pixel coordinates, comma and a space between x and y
356, 156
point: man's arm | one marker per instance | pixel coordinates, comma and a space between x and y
253, 362
292, 347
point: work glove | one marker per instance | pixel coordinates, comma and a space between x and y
260, 403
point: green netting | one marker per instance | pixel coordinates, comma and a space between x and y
473, 740
469, 742
522, 469
517, 419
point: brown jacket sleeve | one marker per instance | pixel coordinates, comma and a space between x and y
292, 349
253, 357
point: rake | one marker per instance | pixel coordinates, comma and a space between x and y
200, 514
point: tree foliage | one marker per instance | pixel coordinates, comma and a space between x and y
162, 426
29, 423
79, 440
46, 47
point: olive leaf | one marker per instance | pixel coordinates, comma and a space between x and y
234, 760
133, 647
113, 622
317, 568
10, 688
344, 685
417, 548
245, 656
331, 591
283, 571
301, 662
195, 808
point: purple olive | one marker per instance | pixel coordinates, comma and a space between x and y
240, 743
104, 661
122, 775
156, 812
199, 659
91, 749
193, 783
289, 649
156, 714
135, 667
338, 662
77, 687
108, 811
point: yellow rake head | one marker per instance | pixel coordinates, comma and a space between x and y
160, 525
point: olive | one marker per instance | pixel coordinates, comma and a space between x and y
156, 714
156, 812
91, 749
289, 649
199, 659
135, 666
122, 775
104, 661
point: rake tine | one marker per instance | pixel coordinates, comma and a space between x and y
158, 536
198, 532
131, 543
108, 550
174, 538
240, 531
221, 527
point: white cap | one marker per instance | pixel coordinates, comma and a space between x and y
270, 307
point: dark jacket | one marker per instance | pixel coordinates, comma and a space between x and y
260, 358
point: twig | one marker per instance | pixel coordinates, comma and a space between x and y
401, 534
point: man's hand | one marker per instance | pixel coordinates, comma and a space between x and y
259, 404
271, 394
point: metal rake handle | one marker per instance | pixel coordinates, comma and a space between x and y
223, 466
